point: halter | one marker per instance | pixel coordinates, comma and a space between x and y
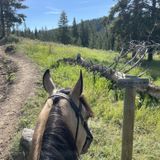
64, 94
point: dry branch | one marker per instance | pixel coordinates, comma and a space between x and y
110, 74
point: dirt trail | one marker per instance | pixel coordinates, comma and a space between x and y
23, 88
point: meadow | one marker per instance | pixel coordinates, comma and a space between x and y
107, 123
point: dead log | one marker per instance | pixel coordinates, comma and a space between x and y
111, 74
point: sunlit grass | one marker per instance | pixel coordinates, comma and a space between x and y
51, 52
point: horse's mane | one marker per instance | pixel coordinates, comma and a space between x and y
58, 142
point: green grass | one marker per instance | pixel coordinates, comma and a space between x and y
107, 124
51, 52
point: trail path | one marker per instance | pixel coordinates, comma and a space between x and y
10, 110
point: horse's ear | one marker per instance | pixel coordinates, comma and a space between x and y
48, 84
78, 89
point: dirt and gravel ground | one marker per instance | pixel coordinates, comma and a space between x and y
24, 86
7, 76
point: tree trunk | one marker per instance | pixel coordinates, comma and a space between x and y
133, 53
2, 21
153, 9
150, 56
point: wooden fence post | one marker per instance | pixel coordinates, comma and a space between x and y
130, 83
128, 123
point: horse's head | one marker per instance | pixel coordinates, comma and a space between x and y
74, 109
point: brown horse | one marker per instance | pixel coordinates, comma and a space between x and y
62, 131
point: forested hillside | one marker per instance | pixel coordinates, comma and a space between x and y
89, 33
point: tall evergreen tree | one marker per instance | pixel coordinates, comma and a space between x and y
36, 33
84, 34
63, 34
136, 20
92, 40
75, 33
9, 16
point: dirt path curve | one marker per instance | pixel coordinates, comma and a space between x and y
23, 88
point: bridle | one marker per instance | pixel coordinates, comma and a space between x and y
64, 93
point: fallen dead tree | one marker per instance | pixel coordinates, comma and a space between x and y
109, 73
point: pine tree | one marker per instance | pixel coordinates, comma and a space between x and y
75, 34
9, 16
63, 34
136, 20
84, 34
36, 33
92, 37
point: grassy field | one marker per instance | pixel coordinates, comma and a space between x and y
107, 124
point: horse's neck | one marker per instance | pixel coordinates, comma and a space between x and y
57, 147
58, 143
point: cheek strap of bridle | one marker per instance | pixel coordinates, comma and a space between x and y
76, 109
77, 115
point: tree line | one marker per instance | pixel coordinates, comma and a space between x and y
89, 33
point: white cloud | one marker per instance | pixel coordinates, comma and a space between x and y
51, 10
84, 2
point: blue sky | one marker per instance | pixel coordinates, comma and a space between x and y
43, 13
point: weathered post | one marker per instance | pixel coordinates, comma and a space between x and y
130, 83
